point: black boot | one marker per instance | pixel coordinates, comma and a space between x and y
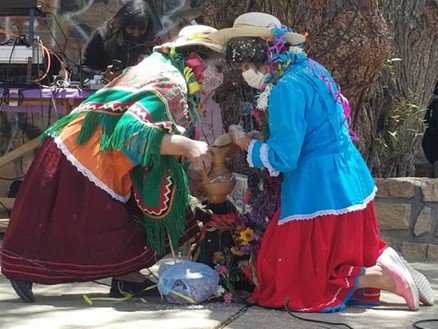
23, 290
120, 288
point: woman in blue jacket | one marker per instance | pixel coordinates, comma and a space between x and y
322, 249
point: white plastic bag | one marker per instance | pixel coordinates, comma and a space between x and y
187, 282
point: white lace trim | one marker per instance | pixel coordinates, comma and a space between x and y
249, 154
83, 170
264, 157
335, 212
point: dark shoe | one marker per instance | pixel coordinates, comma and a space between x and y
23, 290
120, 288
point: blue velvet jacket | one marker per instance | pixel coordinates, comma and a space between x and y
310, 146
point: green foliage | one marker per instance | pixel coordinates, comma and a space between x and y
402, 127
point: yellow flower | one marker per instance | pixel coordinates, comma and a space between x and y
237, 251
246, 236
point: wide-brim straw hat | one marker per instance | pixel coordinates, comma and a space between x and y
255, 25
193, 35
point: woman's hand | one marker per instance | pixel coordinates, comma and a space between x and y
109, 75
196, 152
239, 137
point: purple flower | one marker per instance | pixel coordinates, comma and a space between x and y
246, 248
228, 297
221, 269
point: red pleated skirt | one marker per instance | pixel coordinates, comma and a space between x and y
313, 265
63, 228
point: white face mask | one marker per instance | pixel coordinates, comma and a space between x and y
254, 78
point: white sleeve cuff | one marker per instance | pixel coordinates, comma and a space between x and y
264, 157
249, 154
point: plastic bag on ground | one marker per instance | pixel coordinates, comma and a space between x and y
187, 282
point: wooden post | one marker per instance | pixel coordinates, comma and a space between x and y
19, 151
7, 203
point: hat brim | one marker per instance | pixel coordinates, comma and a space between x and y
186, 43
225, 35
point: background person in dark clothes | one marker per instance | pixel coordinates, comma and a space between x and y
123, 39
430, 137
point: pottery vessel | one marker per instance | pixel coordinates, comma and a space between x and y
219, 181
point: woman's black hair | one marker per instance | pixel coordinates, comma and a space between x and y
201, 51
134, 13
247, 49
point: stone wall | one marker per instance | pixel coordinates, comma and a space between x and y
407, 209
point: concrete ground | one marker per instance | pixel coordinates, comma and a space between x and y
63, 307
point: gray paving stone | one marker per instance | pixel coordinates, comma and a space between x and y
62, 307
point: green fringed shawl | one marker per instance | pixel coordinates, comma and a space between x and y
171, 222
160, 185
141, 142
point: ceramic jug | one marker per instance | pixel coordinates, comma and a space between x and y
219, 181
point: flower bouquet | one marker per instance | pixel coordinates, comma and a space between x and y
236, 265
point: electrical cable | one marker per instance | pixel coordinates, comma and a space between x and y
46, 51
7, 100
71, 63
6, 78
41, 103
23, 133
52, 104
312, 320
428, 321
1, 102
67, 274
11, 253
62, 30
48, 65
7, 43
